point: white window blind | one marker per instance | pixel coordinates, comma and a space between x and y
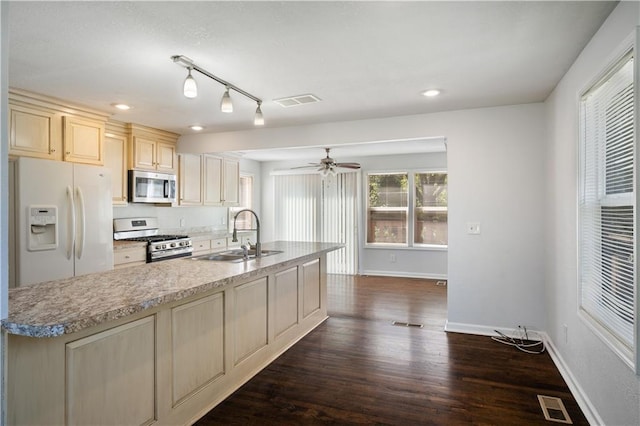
297, 207
607, 204
340, 221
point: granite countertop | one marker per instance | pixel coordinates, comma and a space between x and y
66, 306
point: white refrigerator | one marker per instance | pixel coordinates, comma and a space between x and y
63, 218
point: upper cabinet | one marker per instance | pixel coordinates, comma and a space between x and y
153, 149
190, 179
115, 158
221, 181
208, 180
45, 127
83, 140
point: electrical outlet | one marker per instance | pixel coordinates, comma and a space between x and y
473, 228
392, 258
182, 221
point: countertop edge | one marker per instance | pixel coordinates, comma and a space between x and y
73, 326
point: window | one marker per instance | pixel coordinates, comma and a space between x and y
607, 207
395, 212
245, 220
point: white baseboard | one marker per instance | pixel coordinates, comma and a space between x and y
578, 393
405, 274
583, 401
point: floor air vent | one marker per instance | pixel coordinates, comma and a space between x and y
554, 410
406, 324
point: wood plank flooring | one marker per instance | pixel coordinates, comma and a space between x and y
357, 368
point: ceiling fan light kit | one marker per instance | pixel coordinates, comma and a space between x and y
190, 88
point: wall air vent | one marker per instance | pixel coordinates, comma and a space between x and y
297, 100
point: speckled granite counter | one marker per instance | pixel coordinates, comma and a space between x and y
66, 306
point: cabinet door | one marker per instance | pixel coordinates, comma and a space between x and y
166, 158
250, 313
32, 133
144, 153
111, 376
311, 287
212, 180
83, 141
115, 158
189, 180
231, 182
286, 300
197, 330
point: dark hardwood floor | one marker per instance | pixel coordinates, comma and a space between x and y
358, 368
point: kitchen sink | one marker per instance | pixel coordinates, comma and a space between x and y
233, 255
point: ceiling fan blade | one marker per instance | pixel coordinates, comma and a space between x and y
308, 166
348, 165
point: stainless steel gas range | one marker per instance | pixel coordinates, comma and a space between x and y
159, 247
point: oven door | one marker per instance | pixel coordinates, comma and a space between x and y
150, 187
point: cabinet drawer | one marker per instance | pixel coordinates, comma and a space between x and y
219, 244
125, 257
202, 245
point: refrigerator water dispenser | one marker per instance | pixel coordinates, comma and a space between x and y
43, 228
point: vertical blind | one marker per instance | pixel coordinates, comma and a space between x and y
297, 207
607, 203
308, 208
340, 221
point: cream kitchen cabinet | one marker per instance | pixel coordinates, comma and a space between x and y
189, 179
34, 132
50, 128
126, 356
115, 158
153, 149
129, 256
221, 181
83, 140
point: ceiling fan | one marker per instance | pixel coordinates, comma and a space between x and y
328, 165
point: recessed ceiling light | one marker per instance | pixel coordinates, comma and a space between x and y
122, 107
431, 93
196, 127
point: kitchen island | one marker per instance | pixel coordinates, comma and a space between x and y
159, 343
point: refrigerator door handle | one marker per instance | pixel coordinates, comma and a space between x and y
71, 232
81, 214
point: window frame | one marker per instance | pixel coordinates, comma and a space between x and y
231, 211
628, 354
410, 209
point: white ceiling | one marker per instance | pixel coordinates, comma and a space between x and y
363, 59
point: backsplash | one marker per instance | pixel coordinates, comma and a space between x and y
189, 220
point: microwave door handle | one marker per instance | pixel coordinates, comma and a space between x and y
166, 189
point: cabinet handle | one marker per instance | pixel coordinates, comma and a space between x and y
68, 153
126, 257
124, 198
51, 151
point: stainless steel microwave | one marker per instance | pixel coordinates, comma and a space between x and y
151, 187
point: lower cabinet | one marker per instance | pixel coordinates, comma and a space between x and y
197, 345
122, 361
170, 364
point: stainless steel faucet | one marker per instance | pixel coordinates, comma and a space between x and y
257, 229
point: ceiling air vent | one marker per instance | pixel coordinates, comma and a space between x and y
297, 100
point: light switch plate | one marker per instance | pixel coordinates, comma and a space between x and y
473, 228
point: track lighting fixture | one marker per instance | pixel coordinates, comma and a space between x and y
259, 119
225, 104
191, 90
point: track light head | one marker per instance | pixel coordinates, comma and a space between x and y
190, 88
225, 104
259, 119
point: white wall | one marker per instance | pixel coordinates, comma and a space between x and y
606, 384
